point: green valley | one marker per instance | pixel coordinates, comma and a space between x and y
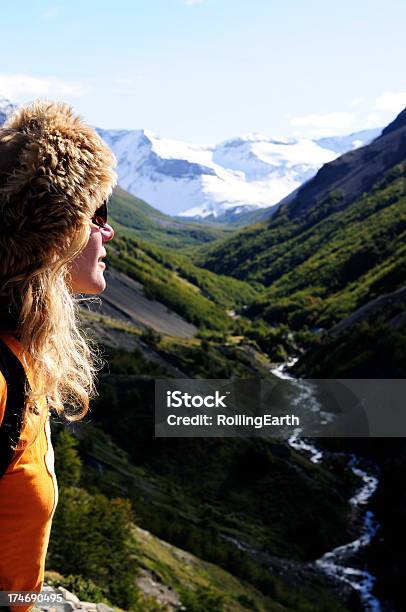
224, 523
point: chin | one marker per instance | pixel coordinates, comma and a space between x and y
98, 288
93, 286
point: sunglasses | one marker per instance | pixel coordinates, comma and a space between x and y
100, 216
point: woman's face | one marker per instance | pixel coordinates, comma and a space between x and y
87, 271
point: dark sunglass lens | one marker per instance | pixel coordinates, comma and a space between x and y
100, 216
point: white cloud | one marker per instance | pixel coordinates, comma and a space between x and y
374, 119
356, 101
325, 123
13, 85
192, 2
391, 101
123, 81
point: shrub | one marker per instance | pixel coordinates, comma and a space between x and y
202, 600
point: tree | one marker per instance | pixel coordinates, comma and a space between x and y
92, 537
68, 465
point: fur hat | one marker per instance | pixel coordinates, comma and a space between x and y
55, 171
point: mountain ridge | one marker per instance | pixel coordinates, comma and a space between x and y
355, 172
247, 173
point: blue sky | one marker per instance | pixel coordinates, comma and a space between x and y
207, 70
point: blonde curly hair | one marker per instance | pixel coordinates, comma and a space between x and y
55, 171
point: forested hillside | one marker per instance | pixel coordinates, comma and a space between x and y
321, 266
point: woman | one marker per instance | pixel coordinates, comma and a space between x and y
56, 175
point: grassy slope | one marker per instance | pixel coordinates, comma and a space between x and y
136, 218
181, 570
319, 268
199, 296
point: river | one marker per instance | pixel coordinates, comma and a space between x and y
340, 563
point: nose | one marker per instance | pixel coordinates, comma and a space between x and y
107, 232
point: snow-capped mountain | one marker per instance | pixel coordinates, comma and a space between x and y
208, 181
6, 108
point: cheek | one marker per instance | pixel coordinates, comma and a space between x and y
82, 263
85, 269
91, 251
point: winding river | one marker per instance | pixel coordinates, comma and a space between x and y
339, 562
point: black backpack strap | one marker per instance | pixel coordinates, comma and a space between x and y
10, 429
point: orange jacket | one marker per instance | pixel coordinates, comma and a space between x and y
28, 498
